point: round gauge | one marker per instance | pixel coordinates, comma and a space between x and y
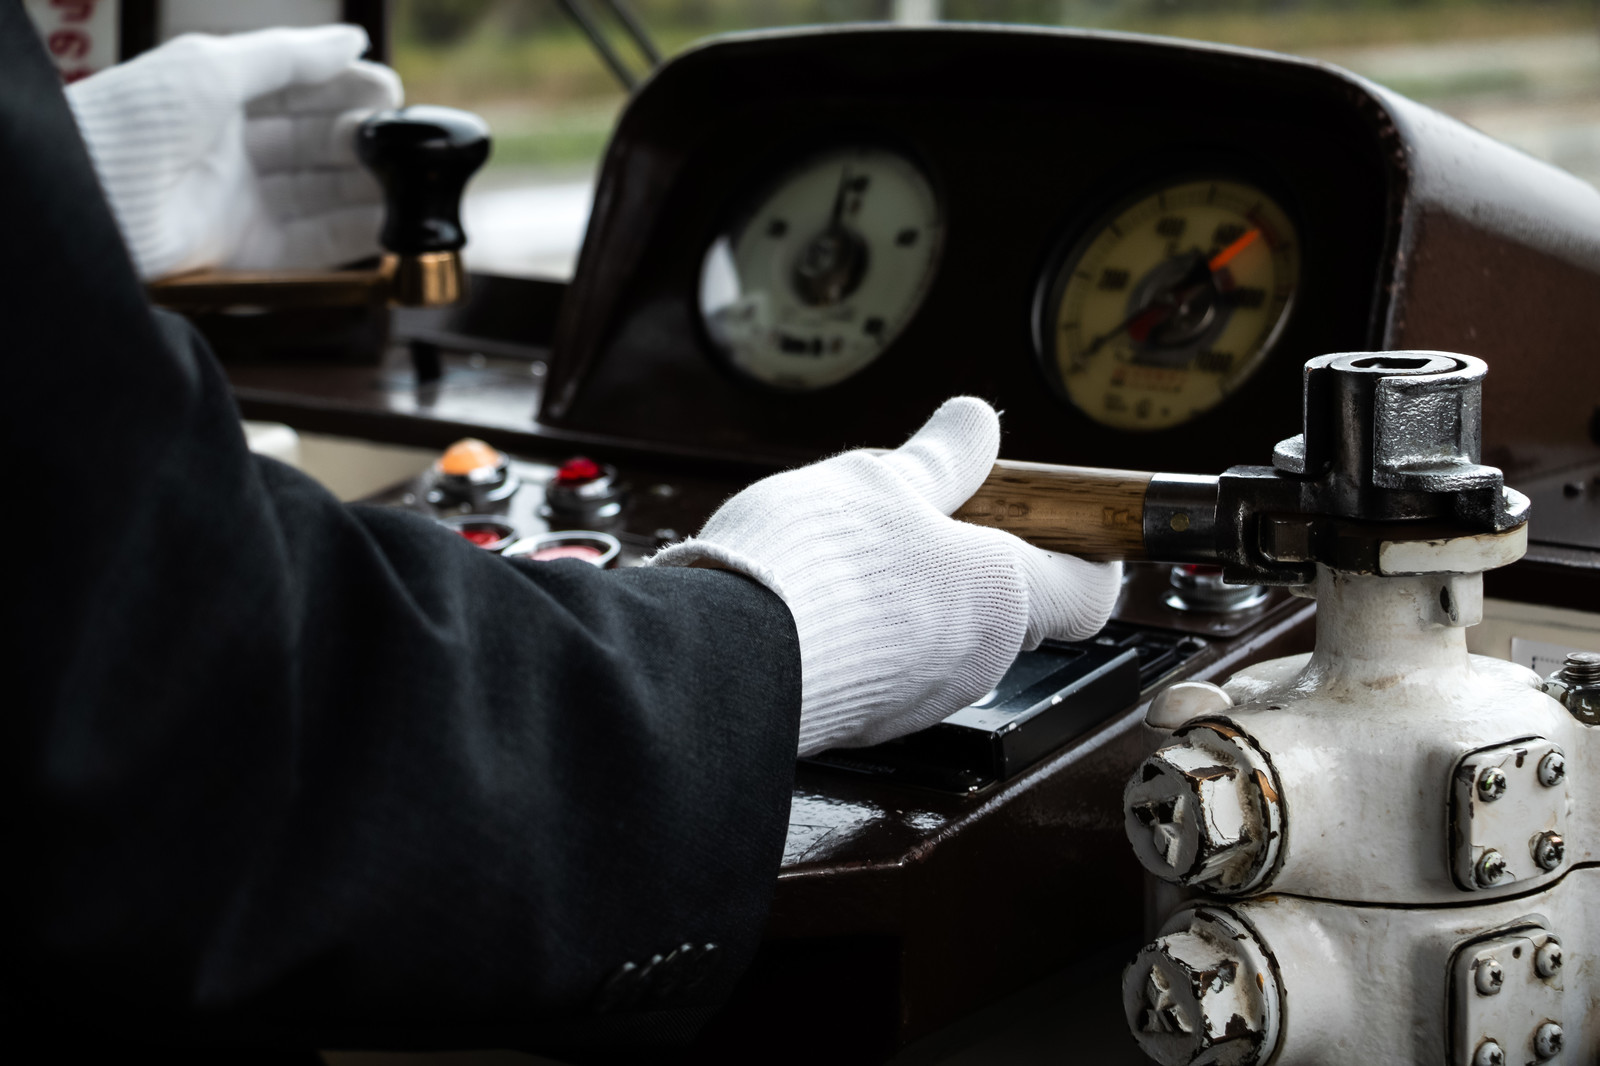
1170, 304
824, 271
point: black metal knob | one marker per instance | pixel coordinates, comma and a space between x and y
423, 156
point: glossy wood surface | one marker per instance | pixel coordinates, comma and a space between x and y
206, 289
1090, 512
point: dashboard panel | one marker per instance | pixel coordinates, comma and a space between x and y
1031, 144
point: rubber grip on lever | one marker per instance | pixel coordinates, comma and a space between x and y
1087, 511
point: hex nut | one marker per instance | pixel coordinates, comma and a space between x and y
1489, 1053
1547, 1040
1552, 769
1492, 784
1549, 850
1491, 868
1490, 977
1547, 960
1206, 812
1203, 992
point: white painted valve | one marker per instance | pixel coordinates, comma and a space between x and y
1389, 846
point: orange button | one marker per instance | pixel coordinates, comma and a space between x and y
467, 455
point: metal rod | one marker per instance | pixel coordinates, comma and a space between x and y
579, 13
635, 28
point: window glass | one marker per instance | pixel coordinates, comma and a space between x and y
1525, 71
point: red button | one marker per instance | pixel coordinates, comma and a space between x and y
482, 537
577, 471
568, 551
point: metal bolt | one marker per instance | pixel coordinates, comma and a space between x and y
1491, 869
1581, 666
1492, 784
1547, 960
1489, 1053
1549, 850
1552, 770
1547, 1040
1491, 976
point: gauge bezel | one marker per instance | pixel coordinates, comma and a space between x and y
778, 169
1086, 228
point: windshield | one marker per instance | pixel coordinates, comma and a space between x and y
1525, 72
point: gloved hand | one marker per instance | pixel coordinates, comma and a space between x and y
239, 151
904, 614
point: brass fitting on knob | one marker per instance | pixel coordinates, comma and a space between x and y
427, 279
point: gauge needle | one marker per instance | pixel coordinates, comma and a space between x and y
838, 199
1228, 254
1141, 322
1159, 308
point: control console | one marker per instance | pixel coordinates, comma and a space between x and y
593, 511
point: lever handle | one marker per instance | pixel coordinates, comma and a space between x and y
423, 156
1086, 511
1101, 514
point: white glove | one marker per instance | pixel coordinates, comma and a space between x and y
239, 151
905, 615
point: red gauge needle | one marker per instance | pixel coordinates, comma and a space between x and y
1142, 322
1140, 325
1228, 254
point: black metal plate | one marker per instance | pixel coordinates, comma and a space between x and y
1047, 698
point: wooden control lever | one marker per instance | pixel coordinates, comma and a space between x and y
1085, 511
1100, 514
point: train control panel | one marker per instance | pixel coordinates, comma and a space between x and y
804, 241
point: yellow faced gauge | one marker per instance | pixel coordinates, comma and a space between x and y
1172, 303
824, 270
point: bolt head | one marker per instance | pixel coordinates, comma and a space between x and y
1491, 869
1489, 1053
1492, 784
1549, 850
1547, 1040
1490, 976
1552, 769
1547, 960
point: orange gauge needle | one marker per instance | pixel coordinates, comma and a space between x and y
1227, 255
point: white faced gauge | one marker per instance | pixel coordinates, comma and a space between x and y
1171, 303
823, 271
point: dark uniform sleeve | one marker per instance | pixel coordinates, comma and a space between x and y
281, 770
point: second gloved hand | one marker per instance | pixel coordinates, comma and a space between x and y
904, 614
239, 151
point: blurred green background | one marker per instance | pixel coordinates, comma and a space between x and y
552, 102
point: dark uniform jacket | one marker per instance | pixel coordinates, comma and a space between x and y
281, 770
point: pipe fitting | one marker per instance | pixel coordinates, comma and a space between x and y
1204, 992
1207, 812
